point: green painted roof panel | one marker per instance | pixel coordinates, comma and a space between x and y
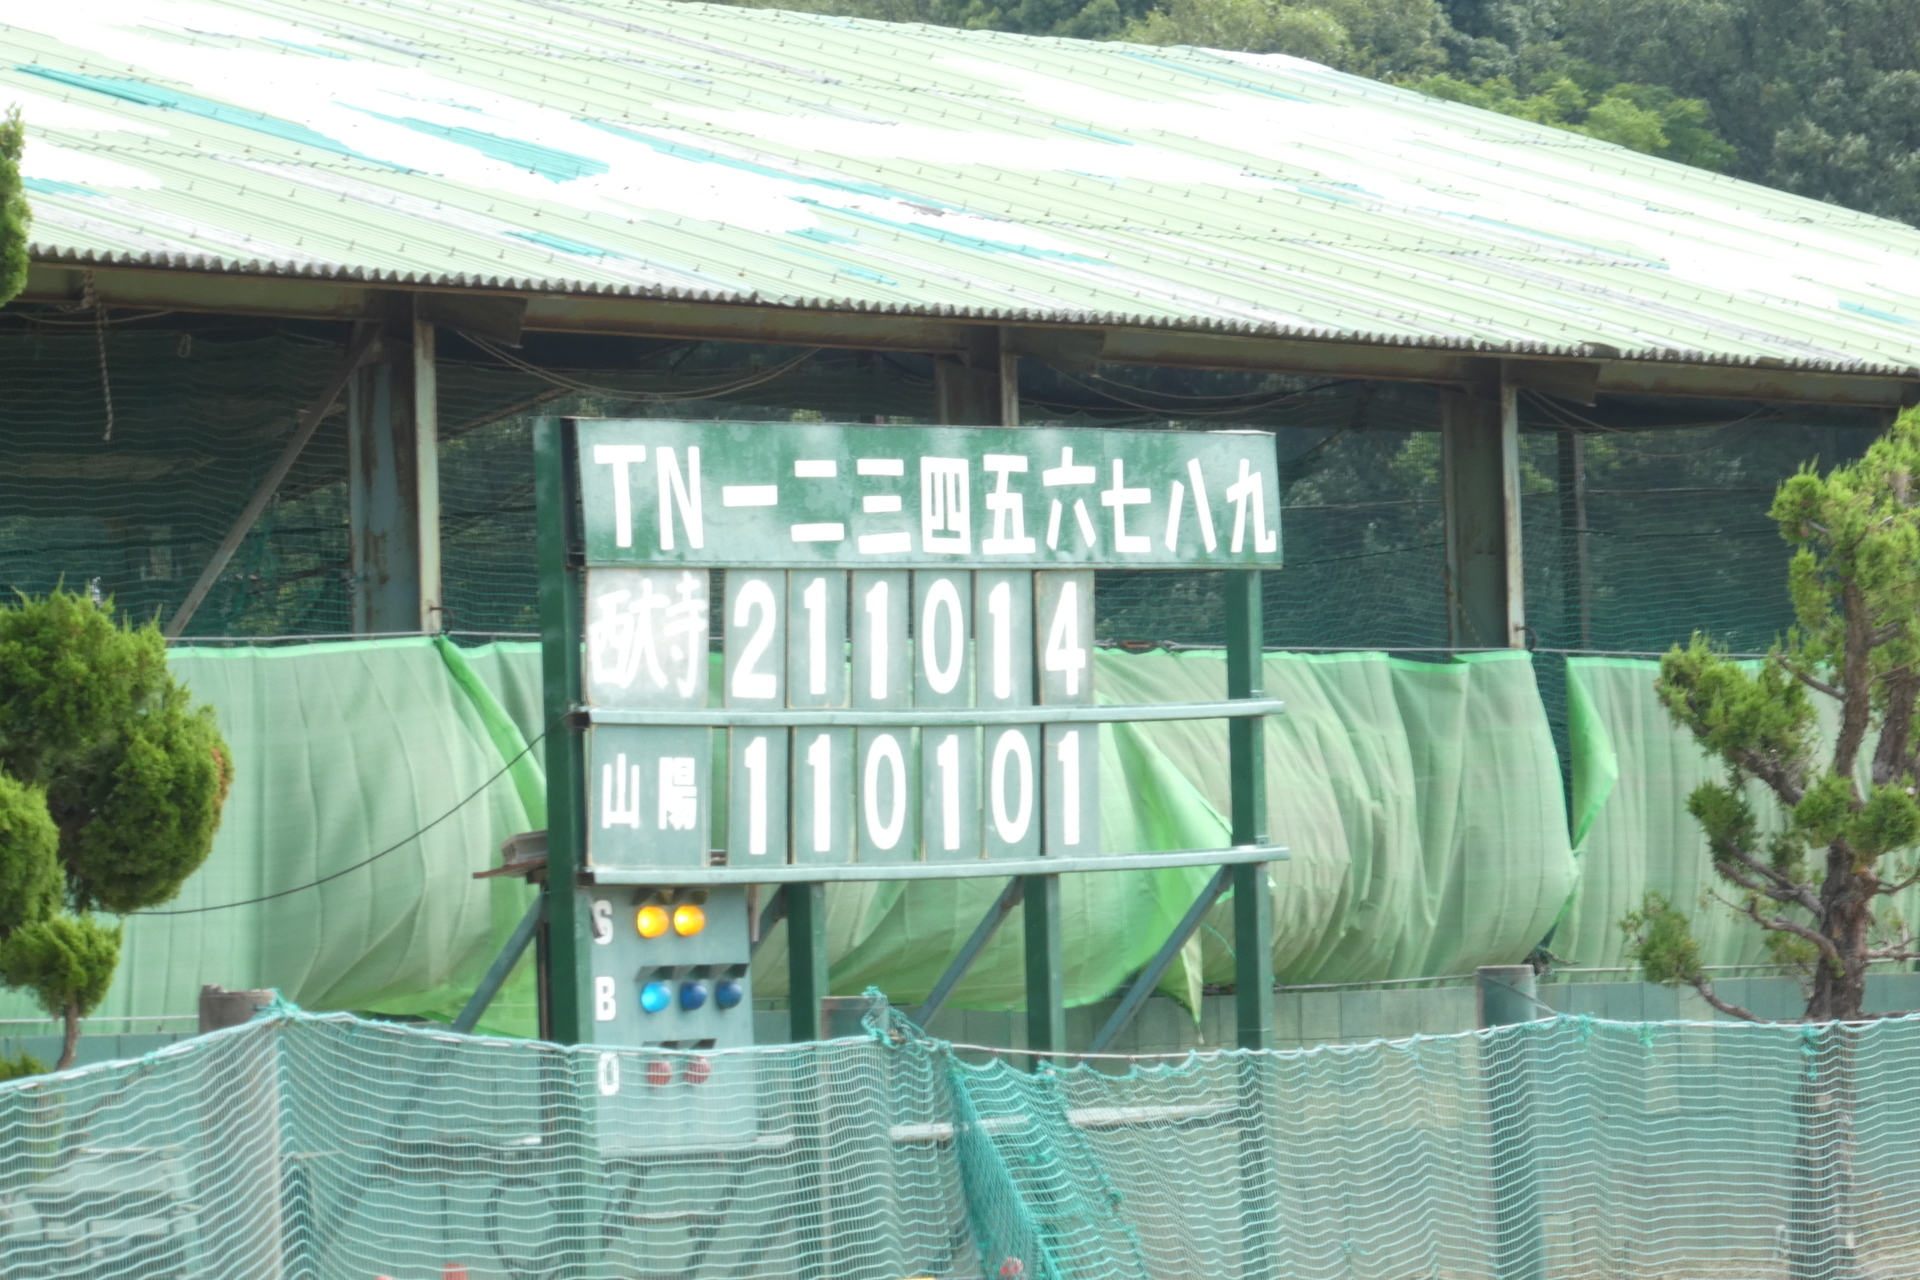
656, 148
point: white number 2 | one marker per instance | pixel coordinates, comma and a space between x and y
1064, 652
748, 683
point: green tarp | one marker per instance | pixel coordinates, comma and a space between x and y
1632, 772
1422, 803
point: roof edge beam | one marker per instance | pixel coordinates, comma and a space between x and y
314, 299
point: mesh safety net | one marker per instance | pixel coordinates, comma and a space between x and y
307, 1146
1632, 538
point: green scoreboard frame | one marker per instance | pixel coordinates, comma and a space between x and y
906, 692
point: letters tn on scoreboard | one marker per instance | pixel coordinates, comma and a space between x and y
875, 568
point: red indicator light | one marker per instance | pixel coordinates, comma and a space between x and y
698, 1069
659, 1072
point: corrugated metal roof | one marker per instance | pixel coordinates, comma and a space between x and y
654, 148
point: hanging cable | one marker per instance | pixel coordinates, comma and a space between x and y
653, 397
368, 861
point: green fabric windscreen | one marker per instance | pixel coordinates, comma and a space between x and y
1421, 801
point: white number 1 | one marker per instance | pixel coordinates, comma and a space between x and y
815, 600
1068, 750
1000, 609
948, 758
820, 760
877, 643
755, 758
1064, 651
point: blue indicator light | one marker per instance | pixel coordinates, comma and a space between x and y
693, 994
728, 992
655, 996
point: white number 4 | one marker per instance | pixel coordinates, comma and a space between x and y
1065, 653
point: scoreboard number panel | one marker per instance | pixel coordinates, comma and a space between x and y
873, 573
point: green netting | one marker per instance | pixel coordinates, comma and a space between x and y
1633, 770
1405, 860
307, 1147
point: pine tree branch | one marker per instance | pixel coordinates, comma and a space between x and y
1808, 679
1705, 987
1780, 924
1781, 888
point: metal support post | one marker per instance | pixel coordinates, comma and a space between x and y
393, 483
967, 385
1247, 780
1508, 997
426, 454
1576, 594
982, 934
1480, 489
806, 958
1046, 963
569, 928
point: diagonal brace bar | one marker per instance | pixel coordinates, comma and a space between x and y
1150, 976
982, 934
270, 485
502, 965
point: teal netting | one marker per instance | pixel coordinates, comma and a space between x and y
1632, 538
310, 1147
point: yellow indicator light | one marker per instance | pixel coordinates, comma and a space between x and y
688, 920
651, 921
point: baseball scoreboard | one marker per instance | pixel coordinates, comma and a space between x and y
782, 653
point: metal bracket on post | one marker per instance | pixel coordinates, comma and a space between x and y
1045, 962
982, 934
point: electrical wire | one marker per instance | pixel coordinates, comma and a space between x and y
368, 861
651, 397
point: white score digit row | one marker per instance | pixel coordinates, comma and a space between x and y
834, 795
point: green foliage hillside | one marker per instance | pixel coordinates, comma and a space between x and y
1818, 97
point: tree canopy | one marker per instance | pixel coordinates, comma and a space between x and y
14, 215
1818, 97
1818, 863
111, 786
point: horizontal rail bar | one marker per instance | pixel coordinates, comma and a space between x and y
783, 873
934, 717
